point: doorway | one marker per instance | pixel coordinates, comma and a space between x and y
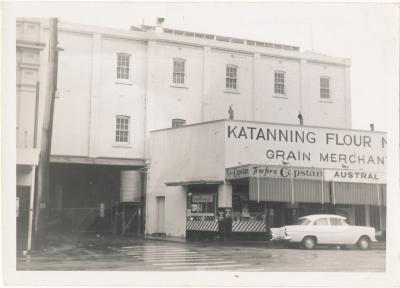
160, 214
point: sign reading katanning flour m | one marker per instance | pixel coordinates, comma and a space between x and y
273, 144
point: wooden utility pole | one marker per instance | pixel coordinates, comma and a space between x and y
42, 201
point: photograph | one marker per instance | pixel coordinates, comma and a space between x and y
241, 140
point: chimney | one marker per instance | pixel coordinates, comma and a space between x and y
300, 116
159, 26
372, 126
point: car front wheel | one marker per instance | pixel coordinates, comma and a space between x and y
309, 242
363, 243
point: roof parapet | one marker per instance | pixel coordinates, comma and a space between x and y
145, 28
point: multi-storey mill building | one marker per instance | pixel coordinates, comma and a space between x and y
116, 86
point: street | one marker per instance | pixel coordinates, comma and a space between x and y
116, 254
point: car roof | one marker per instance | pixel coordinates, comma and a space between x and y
314, 216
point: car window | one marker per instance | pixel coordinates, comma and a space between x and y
302, 221
321, 222
336, 221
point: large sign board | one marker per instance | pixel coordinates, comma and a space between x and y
274, 144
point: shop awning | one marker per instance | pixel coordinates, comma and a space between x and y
383, 194
196, 182
285, 190
358, 194
270, 189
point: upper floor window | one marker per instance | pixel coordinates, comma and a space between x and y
122, 129
178, 76
324, 87
123, 66
178, 123
279, 84
231, 77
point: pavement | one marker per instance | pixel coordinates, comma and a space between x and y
116, 253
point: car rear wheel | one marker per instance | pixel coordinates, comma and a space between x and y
363, 243
309, 242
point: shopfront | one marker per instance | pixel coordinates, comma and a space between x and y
278, 195
241, 178
202, 211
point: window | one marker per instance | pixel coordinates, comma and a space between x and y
178, 123
202, 203
178, 76
336, 222
279, 85
231, 77
123, 66
324, 87
302, 221
321, 222
122, 129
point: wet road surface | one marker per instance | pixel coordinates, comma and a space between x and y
150, 255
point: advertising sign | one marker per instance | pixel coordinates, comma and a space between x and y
273, 144
355, 176
264, 171
285, 172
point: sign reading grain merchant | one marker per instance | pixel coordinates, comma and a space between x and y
272, 144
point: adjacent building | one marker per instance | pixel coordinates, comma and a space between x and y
31, 69
116, 86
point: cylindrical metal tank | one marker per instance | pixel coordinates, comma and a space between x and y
131, 186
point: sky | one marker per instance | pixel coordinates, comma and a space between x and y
366, 33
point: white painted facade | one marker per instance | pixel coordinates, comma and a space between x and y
88, 88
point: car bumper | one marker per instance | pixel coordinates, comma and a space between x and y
281, 239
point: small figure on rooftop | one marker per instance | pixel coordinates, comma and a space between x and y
231, 112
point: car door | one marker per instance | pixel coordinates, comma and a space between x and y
341, 233
322, 230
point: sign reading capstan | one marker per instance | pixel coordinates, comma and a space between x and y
265, 171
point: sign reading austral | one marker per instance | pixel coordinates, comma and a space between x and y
368, 177
248, 142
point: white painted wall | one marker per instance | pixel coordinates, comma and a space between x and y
320, 112
183, 154
270, 107
167, 101
72, 105
89, 90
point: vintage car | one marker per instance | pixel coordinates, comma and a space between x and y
311, 230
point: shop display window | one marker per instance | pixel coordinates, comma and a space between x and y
245, 210
202, 206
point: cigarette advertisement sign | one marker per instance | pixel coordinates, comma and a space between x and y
302, 146
264, 171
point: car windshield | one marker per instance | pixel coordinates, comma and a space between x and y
302, 221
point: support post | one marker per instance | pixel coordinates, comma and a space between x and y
45, 148
139, 219
31, 208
